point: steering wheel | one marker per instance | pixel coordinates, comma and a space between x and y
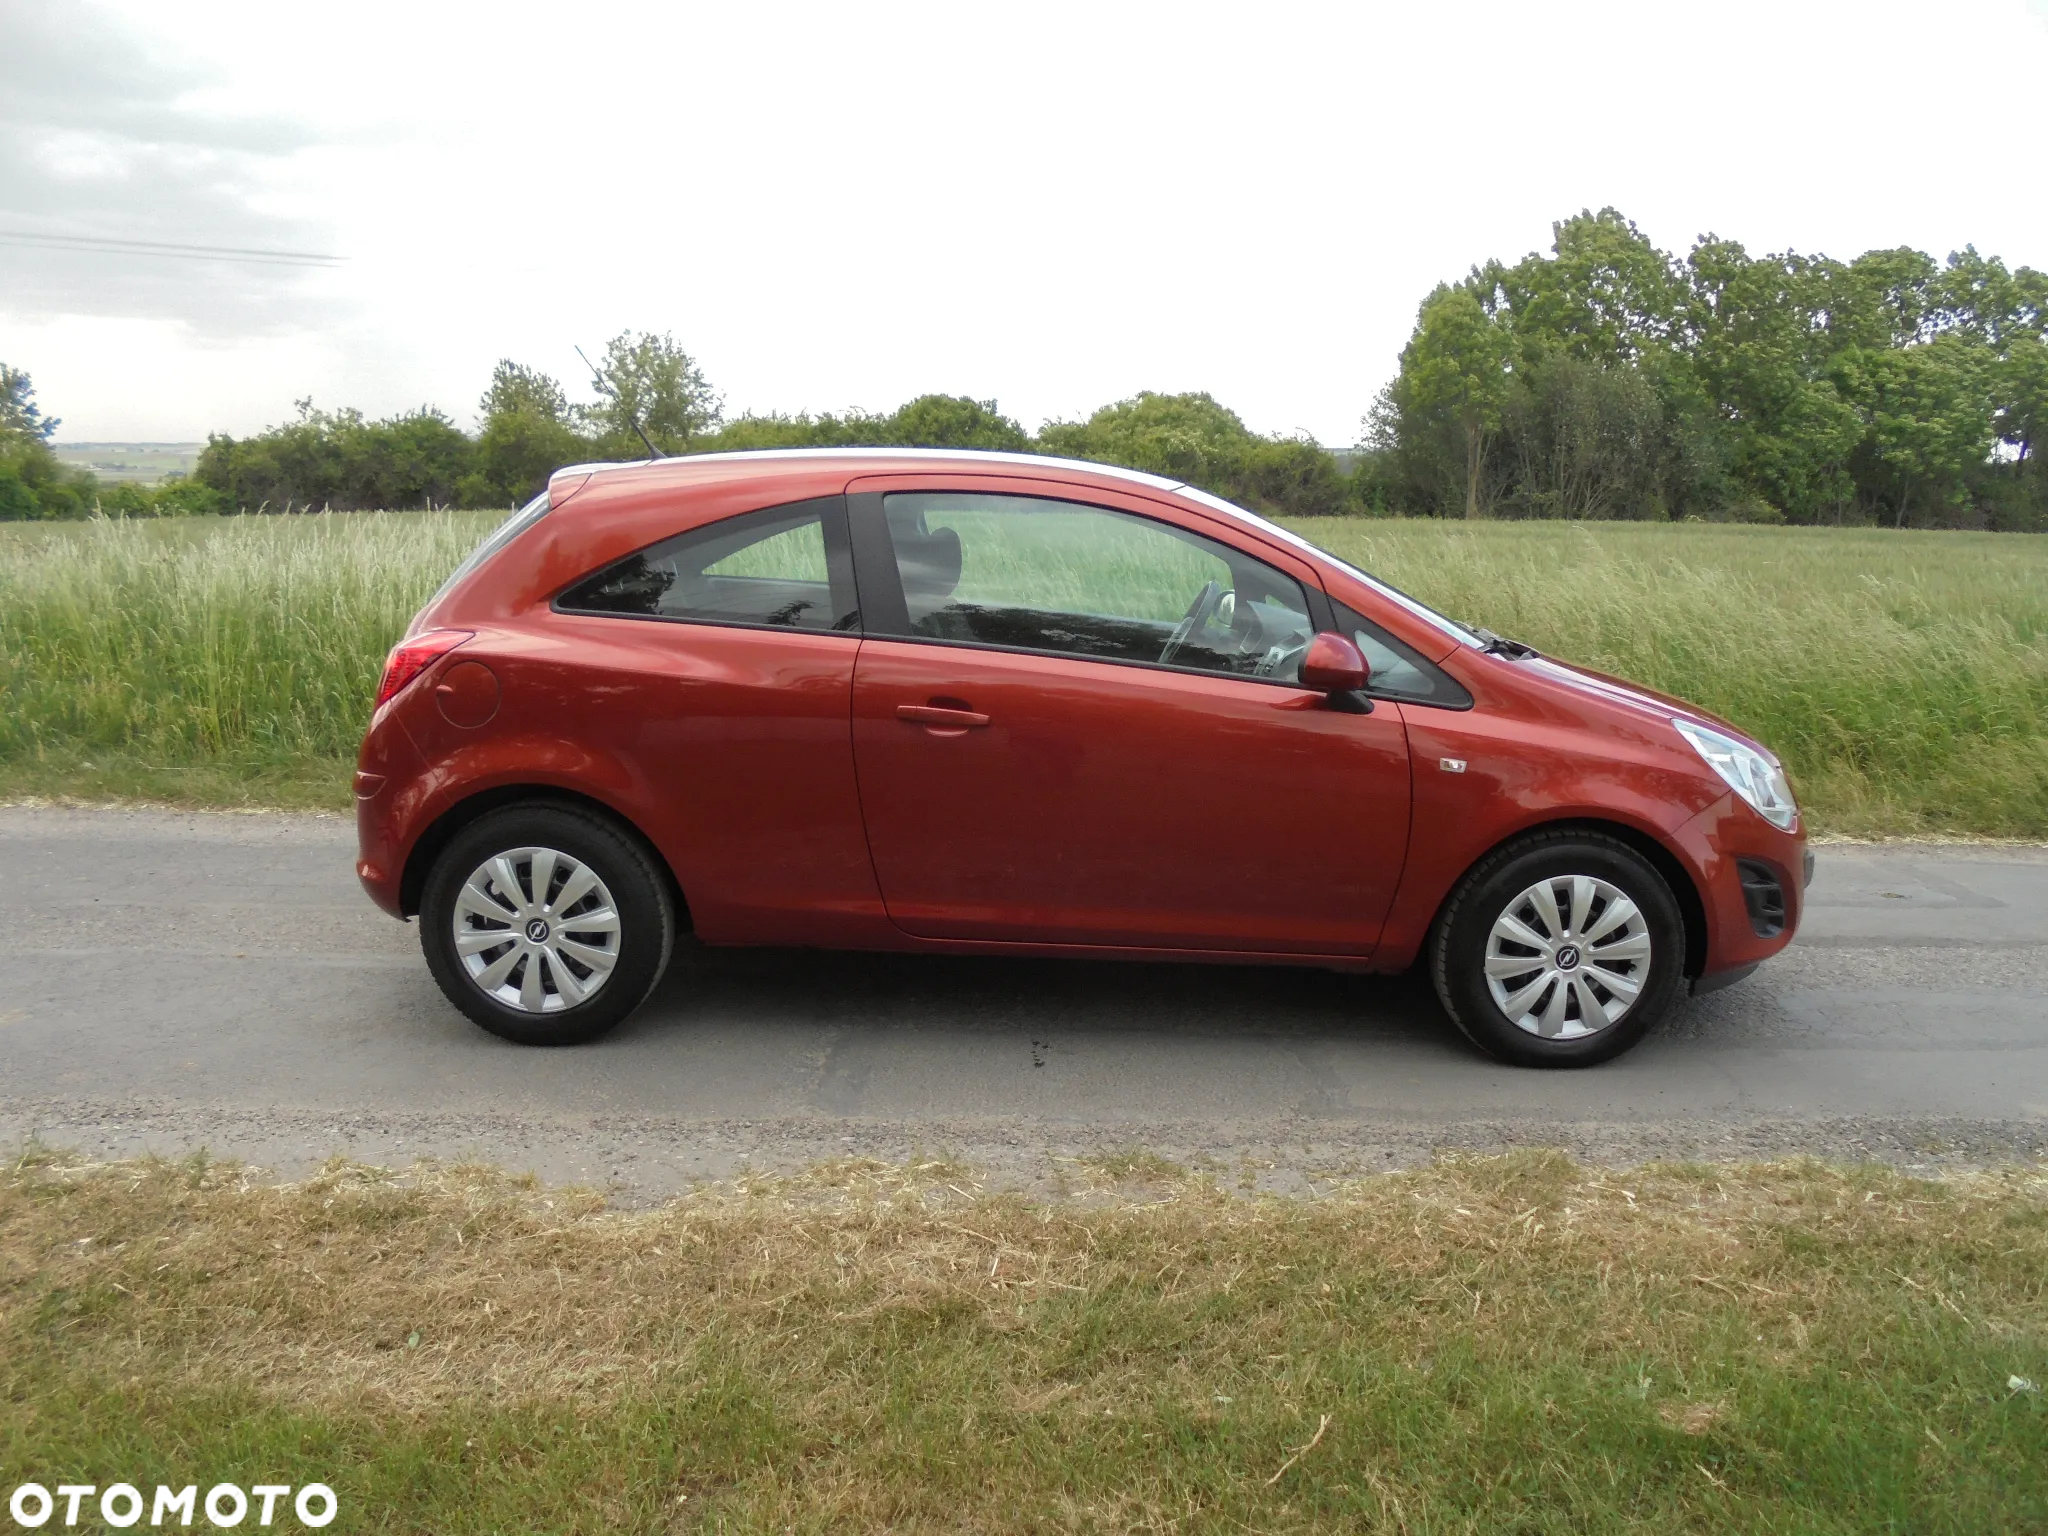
1198, 611
1279, 658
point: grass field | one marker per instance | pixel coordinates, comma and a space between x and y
1902, 676
1490, 1345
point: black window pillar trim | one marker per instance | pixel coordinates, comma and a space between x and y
1320, 613
878, 585
840, 575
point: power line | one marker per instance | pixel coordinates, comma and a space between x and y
113, 247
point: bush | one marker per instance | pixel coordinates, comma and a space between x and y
35, 484
176, 497
339, 459
182, 497
515, 454
1192, 438
929, 421
124, 499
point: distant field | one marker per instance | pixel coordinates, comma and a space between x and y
1903, 676
142, 463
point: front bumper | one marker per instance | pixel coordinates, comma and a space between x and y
1752, 880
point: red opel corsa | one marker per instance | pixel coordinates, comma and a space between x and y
978, 703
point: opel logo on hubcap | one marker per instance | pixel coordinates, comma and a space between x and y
537, 931
1568, 957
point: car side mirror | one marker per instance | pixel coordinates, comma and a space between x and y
1332, 664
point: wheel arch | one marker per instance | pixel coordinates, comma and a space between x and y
443, 830
1684, 889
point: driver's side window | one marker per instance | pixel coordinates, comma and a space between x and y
1030, 574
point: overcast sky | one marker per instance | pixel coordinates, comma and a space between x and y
1052, 205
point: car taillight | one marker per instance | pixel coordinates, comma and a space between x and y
409, 658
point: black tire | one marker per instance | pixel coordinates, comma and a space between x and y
640, 896
1458, 949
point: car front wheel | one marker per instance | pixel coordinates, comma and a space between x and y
1559, 951
545, 924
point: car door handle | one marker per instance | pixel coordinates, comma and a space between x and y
941, 718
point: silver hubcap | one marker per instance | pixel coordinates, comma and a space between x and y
1568, 957
536, 929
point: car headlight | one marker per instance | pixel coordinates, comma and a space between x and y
1751, 774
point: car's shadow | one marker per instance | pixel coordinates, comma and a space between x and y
972, 994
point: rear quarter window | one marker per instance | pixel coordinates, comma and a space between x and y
780, 568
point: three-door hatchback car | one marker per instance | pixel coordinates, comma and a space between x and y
986, 703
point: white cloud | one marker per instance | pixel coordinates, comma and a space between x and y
1053, 204
101, 136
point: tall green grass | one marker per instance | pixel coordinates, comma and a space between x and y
211, 659
1903, 676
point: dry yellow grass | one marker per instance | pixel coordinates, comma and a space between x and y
1492, 1343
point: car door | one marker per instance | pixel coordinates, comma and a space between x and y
717, 666
1080, 723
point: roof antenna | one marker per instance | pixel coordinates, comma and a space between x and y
597, 379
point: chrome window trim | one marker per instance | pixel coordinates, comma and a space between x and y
934, 455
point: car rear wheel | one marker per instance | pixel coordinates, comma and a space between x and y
545, 924
1559, 951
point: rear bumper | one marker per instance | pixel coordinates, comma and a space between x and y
1752, 882
386, 788
377, 864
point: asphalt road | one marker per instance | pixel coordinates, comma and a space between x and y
171, 982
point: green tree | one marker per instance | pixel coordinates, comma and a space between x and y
18, 502
1605, 294
2019, 388
526, 436
1587, 440
952, 421
1191, 437
1926, 417
1459, 366
1757, 343
517, 390
1184, 437
419, 458
21, 420
34, 482
1296, 475
1889, 298
650, 383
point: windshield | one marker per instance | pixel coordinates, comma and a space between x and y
500, 536
1458, 632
